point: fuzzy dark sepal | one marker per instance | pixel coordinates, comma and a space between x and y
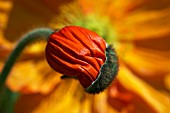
107, 73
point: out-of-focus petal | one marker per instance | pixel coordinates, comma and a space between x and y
33, 77
5, 49
115, 9
67, 97
160, 44
29, 14
153, 100
101, 104
149, 63
5, 7
167, 81
146, 23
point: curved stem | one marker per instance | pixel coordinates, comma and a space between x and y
34, 35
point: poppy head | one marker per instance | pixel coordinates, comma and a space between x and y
80, 53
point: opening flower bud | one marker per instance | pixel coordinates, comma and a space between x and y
78, 52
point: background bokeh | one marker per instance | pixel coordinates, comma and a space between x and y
139, 31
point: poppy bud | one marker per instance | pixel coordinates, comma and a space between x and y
81, 53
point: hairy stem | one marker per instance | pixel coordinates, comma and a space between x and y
7, 97
34, 35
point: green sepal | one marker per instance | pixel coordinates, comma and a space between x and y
108, 72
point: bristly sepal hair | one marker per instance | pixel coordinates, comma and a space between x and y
107, 72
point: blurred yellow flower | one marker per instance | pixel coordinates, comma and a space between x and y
138, 29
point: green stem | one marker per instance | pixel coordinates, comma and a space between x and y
30, 37
7, 100
7, 97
